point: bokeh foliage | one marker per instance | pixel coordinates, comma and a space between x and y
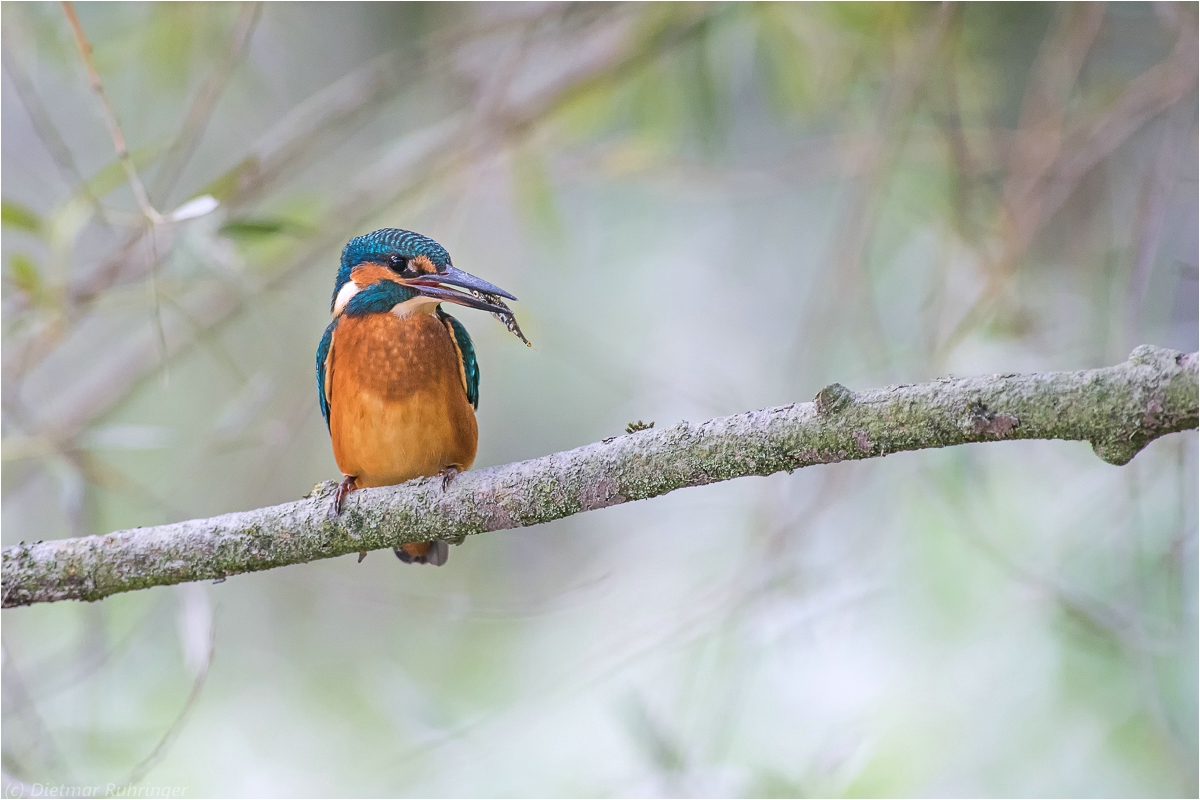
705, 208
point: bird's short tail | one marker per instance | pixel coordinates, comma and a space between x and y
435, 552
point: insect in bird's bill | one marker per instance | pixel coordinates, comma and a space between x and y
397, 377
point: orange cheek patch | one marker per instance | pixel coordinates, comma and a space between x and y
423, 265
366, 274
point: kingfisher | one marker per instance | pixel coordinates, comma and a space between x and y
397, 377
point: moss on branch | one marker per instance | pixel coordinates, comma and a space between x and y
1118, 409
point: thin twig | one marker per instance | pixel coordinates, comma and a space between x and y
46, 130
164, 355
151, 760
196, 120
110, 117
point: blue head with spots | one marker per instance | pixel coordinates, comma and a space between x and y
389, 247
389, 266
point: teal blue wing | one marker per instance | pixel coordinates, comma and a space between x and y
322, 375
466, 349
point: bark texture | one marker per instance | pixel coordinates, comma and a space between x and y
1118, 409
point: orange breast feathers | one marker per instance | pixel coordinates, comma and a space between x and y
398, 405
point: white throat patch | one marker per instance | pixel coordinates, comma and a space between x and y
343, 296
421, 304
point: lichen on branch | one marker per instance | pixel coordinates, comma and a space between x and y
1118, 409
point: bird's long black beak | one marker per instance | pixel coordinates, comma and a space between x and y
436, 285
456, 277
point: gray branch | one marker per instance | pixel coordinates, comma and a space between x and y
1119, 410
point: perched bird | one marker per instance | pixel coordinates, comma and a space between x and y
397, 376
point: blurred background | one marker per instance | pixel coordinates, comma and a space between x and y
704, 209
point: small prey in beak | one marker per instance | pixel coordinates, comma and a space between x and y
479, 294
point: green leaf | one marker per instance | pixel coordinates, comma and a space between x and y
225, 187
18, 216
64, 225
254, 229
25, 274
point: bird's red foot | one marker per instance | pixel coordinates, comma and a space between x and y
339, 495
447, 474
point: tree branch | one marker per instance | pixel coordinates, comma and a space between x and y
110, 118
1119, 410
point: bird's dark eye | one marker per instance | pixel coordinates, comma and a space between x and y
398, 263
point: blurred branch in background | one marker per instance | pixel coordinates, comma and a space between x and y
1051, 155
411, 165
876, 161
1119, 410
46, 130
